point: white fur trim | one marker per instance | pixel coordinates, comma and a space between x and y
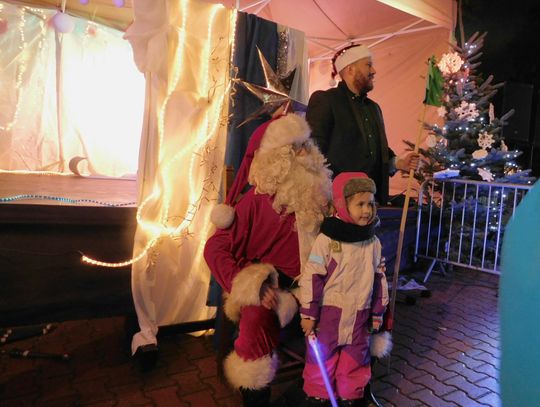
222, 216
250, 374
246, 287
284, 131
351, 55
381, 344
287, 307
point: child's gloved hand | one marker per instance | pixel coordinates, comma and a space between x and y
376, 323
308, 325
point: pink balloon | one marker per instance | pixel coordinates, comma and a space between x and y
84, 2
63, 22
3, 26
118, 3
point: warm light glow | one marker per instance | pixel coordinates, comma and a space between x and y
94, 108
212, 95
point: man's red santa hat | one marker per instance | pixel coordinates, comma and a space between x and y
279, 132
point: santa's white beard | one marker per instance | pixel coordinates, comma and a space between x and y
300, 183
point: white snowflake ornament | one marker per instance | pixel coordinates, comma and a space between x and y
450, 63
466, 111
486, 174
485, 140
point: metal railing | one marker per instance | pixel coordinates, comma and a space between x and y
462, 222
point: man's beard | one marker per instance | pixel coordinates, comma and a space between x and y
362, 83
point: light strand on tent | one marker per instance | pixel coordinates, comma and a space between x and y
175, 76
129, 262
202, 135
198, 147
46, 173
20, 72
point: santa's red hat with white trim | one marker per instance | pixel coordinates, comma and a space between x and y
275, 133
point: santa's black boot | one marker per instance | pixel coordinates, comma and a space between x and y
256, 398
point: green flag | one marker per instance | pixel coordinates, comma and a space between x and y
434, 84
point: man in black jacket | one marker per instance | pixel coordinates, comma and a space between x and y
348, 127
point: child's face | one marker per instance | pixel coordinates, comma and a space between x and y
361, 207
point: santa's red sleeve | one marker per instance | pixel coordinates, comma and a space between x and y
225, 251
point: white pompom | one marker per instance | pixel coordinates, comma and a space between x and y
381, 344
222, 216
332, 82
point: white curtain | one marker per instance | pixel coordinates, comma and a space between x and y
184, 50
69, 95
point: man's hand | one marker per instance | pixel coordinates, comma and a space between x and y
268, 296
408, 162
381, 268
308, 325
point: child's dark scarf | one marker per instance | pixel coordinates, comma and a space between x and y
336, 229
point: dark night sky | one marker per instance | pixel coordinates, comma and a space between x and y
512, 46
511, 53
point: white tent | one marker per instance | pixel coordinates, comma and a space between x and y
402, 34
181, 155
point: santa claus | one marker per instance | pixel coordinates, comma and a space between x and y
263, 237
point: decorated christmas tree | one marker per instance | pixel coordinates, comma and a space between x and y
467, 218
470, 144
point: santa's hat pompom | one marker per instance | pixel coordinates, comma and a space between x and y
222, 216
288, 129
332, 82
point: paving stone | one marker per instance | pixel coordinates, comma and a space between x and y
429, 399
466, 360
130, 395
56, 388
404, 385
489, 383
491, 400
189, 382
473, 390
431, 383
440, 373
488, 369
200, 399
461, 399
166, 397
93, 391
395, 398
469, 374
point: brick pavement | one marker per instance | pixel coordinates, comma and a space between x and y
446, 354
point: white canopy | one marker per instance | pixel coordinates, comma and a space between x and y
402, 34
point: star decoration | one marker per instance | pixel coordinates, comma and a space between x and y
275, 92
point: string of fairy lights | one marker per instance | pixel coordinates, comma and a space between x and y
199, 147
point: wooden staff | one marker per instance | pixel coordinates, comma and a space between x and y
404, 220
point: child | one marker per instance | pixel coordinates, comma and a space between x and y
343, 292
